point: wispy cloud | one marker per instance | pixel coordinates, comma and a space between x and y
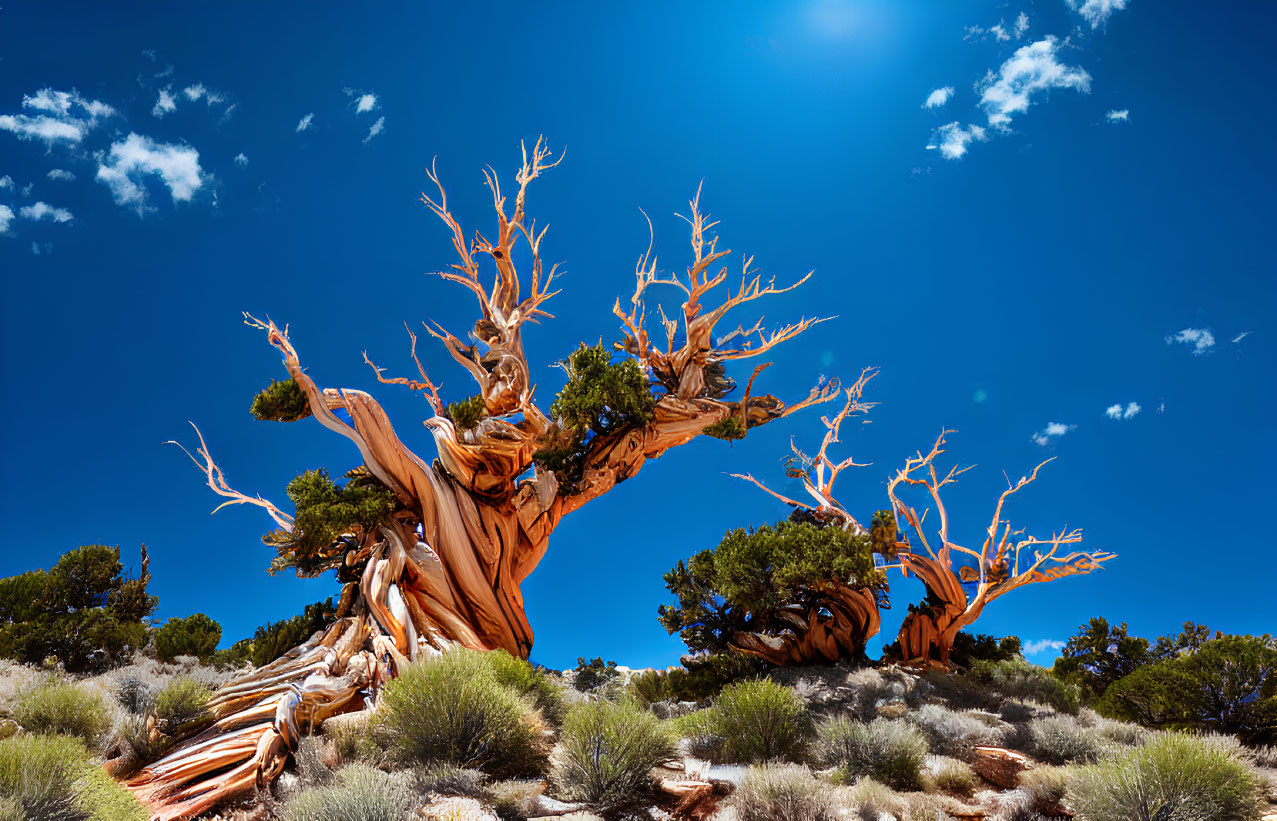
366, 102
1031, 70
1200, 340
200, 91
951, 140
1097, 12
1021, 25
42, 210
61, 175
131, 159
165, 103
6, 182
376, 128
241, 160
1053, 430
1239, 337
6, 218
61, 115
1119, 412
1032, 648
938, 97
304, 123
1117, 115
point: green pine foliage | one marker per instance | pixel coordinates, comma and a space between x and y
592, 674
969, 648
728, 429
466, 413
281, 402
1099, 655
698, 678
196, 635
83, 613
325, 511
274, 639
742, 585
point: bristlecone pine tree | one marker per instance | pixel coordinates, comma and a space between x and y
433, 552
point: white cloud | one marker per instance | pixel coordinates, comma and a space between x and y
376, 129
1097, 12
952, 139
61, 175
1053, 430
241, 160
6, 217
367, 102
1234, 340
194, 92
1199, 339
42, 210
1033, 68
6, 182
304, 123
938, 97
1118, 115
1032, 648
1119, 412
55, 120
1021, 25
165, 103
177, 165
199, 90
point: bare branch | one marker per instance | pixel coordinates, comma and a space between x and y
217, 481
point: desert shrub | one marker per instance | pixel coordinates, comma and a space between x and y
1044, 788
137, 742
452, 709
1173, 777
782, 792
55, 706
514, 800
1022, 680
592, 674
358, 793
746, 583
892, 752
11, 809
135, 695
951, 776
699, 732
181, 701
950, 731
761, 721
529, 681
608, 752
874, 799
196, 635
1062, 740
1119, 732
449, 779
52, 777
352, 737
969, 648
1265, 756
699, 677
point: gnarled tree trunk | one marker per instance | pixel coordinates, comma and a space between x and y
446, 567
836, 623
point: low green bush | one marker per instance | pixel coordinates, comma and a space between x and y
529, 681
137, 742
1019, 679
1173, 777
608, 752
55, 706
449, 779
950, 775
761, 721
182, 701
1045, 787
1062, 740
53, 777
358, 793
196, 635
699, 678
888, 751
953, 732
453, 709
788, 792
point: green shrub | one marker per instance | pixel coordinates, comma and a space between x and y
700, 677
1173, 777
56, 706
590, 675
195, 635
137, 742
280, 402
529, 681
951, 776
952, 732
352, 737
969, 648
452, 709
888, 751
449, 779
783, 792
608, 752
1045, 788
1062, 740
699, 729
52, 777
135, 695
182, 701
358, 793
1021, 680
761, 721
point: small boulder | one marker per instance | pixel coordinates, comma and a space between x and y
999, 766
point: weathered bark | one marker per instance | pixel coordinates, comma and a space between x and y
468, 527
836, 624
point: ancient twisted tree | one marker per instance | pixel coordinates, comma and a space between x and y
433, 552
960, 580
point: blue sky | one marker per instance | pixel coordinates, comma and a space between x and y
1026, 213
